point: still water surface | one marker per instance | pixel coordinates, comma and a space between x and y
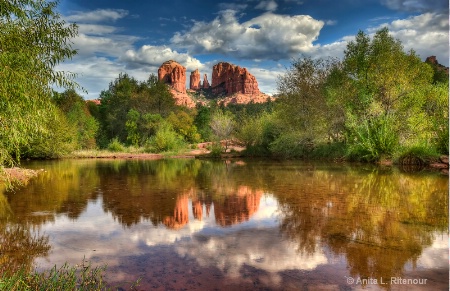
243, 225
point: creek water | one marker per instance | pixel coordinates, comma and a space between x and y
194, 224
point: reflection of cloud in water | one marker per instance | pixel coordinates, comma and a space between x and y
264, 249
96, 234
435, 256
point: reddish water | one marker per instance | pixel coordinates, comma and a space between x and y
242, 225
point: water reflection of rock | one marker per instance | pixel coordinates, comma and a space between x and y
180, 213
238, 207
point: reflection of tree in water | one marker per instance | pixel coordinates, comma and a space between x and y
379, 221
154, 191
64, 187
19, 246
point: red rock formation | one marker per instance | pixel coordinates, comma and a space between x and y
229, 79
205, 82
244, 99
194, 82
182, 99
434, 62
174, 74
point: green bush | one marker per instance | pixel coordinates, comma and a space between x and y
216, 149
373, 140
334, 150
257, 133
116, 146
165, 139
290, 145
59, 139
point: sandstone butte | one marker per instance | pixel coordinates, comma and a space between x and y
230, 82
194, 82
174, 74
228, 79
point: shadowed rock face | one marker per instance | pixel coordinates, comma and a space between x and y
229, 79
173, 74
434, 62
205, 82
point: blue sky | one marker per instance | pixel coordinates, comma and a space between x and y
136, 37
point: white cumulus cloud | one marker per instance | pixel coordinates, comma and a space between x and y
148, 55
427, 34
266, 37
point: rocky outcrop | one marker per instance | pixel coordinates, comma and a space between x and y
230, 84
205, 82
182, 98
229, 79
173, 74
194, 82
432, 60
245, 99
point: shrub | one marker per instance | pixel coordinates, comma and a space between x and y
165, 139
216, 149
290, 145
334, 150
116, 146
373, 139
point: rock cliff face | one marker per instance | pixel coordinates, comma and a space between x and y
231, 83
194, 82
229, 79
434, 62
173, 74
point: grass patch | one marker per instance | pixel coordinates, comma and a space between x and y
78, 277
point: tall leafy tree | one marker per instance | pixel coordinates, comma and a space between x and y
302, 103
381, 83
76, 110
33, 40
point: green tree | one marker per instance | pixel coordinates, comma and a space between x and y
78, 114
183, 124
125, 94
114, 107
132, 127
33, 40
222, 124
302, 104
376, 87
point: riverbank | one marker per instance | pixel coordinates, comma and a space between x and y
17, 176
